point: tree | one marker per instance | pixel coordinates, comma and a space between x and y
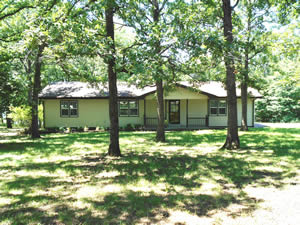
152, 57
11, 93
252, 41
160, 133
232, 139
114, 148
35, 34
10, 8
281, 89
36, 90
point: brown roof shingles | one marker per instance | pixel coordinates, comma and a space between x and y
85, 90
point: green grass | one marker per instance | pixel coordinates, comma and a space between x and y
68, 179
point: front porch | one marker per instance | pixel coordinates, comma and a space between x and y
179, 114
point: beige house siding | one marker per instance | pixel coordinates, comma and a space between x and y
91, 113
197, 107
179, 93
249, 112
151, 108
221, 121
124, 120
217, 121
95, 112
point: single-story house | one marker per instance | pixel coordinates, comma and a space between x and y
191, 106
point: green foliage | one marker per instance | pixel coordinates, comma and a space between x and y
280, 104
21, 115
282, 90
129, 127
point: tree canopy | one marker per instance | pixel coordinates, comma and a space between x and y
156, 42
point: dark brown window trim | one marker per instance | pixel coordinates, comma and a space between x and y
217, 99
69, 116
169, 102
128, 100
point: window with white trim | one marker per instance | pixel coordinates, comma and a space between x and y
217, 107
68, 108
128, 108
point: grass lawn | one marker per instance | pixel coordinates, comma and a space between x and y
68, 179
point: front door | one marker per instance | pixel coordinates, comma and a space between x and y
174, 111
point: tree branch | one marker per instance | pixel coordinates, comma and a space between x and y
237, 2
256, 53
16, 11
163, 6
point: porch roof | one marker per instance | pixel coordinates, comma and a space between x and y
63, 90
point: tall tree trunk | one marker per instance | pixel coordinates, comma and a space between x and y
244, 94
232, 139
9, 121
36, 89
160, 132
245, 78
114, 148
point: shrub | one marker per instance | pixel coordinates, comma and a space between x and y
128, 127
80, 129
21, 115
138, 126
52, 129
62, 129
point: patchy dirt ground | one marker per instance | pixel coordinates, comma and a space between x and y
276, 207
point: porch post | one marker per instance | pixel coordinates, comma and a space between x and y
44, 117
144, 112
207, 115
187, 113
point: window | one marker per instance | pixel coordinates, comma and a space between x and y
128, 108
217, 107
68, 108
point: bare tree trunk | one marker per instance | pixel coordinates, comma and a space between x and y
36, 89
244, 94
114, 148
232, 139
9, 121
160, 132
244, 84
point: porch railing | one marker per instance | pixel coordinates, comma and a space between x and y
195, 122
192, 122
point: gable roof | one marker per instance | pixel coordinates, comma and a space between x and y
63, 90
217, 89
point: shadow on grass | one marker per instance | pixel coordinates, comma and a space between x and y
228, 169
131, 206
